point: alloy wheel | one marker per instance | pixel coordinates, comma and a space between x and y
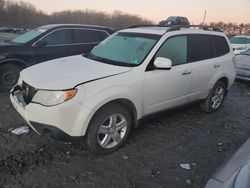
217, 98
112, 131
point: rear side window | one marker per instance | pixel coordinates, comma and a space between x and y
220, 46
175, 48
199, 48
60, 37
89, 36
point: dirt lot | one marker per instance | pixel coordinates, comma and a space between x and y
151, 157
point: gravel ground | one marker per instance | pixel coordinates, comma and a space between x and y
151, 157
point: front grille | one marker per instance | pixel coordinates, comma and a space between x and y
28, 92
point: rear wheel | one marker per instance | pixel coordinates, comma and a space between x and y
9, 75
109, 129
215, 98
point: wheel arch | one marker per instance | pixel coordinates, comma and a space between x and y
225, 81
127, 103
18, 62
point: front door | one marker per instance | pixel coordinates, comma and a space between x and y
57, 44
164, 89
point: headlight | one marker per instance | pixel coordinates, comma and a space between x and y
52, 98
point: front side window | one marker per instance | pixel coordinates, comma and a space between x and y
59, 37
89, 36
175, 49
127, 49
200, 48
28, 36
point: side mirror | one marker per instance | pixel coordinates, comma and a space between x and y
40, 43
163, 63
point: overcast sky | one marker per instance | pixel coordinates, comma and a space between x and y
156, 10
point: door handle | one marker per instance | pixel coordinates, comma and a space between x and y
216, 65
186, 73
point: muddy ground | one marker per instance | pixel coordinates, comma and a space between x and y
151, 157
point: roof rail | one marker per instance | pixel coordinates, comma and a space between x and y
137, 26
178, 27
206, 28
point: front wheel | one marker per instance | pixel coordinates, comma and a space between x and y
9, 74
109, 129
215, 98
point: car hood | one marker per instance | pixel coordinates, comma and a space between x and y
8, 44
66, 73
7, 47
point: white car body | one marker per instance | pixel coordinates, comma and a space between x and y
239, 48
243, 66
98, 84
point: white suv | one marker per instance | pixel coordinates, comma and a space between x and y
134, 73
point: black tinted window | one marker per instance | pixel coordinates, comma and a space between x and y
59, 37
89, 36
199, 48
221, 46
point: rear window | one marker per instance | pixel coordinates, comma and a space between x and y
199, 48
220, 46
89, 36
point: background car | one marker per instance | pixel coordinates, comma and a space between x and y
235, 173
46, 43
240, 43
7, 36
175, 20
243, 66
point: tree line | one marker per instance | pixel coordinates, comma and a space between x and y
22, 14
233, 28
25, 15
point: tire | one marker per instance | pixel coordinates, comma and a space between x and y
215, 98
105, 134
9, 75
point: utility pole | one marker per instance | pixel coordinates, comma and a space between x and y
204, 19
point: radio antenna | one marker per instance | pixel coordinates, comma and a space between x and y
205, 16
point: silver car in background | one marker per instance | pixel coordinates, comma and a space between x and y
243, 66
235, 173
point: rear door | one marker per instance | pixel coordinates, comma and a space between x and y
86, 39
59, 43
205, 62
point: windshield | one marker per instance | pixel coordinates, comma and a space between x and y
128, 49
239, 40
26, 37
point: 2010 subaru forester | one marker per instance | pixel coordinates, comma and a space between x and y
134, 73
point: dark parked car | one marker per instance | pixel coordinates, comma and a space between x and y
45, 43
175, 20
